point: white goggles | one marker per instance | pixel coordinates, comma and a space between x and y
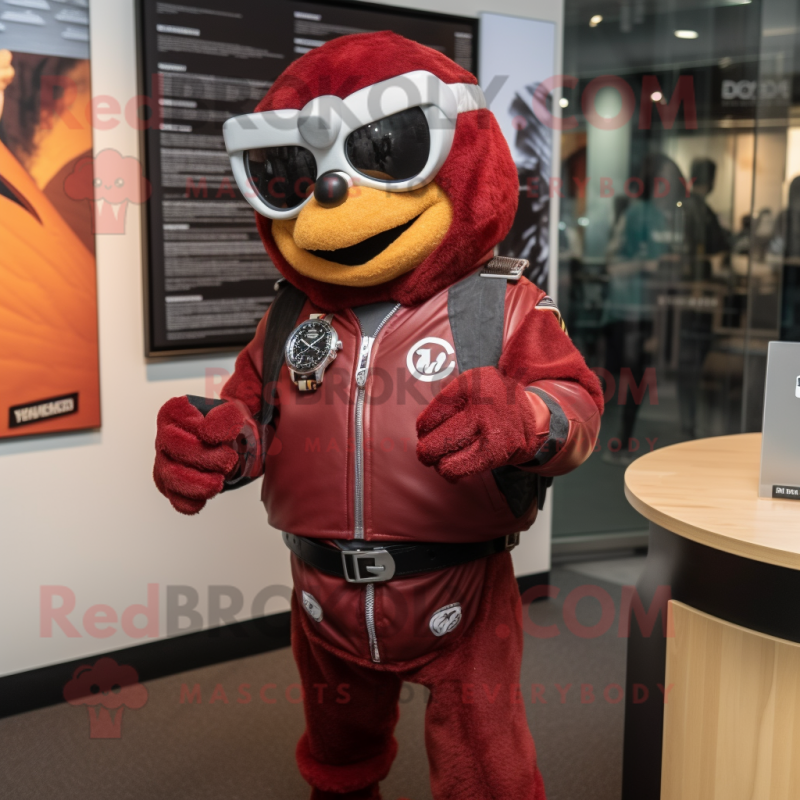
394, 135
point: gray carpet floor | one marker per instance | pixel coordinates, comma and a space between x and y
245, 750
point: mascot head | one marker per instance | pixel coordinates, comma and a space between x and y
376, 171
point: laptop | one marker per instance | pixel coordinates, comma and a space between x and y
780, 448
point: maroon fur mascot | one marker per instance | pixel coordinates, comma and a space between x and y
424, 393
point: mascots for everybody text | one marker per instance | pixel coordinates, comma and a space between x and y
406, 399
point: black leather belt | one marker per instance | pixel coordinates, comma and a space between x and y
371, 562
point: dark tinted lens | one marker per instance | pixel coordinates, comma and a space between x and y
283, 176
393, 148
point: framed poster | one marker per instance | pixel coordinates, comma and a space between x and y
521, 53
208, 280
48, 295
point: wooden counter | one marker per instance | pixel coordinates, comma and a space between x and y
723, 575
707, 491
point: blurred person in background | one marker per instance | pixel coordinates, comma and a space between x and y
706, 239
787, 244
704, 234
648, 232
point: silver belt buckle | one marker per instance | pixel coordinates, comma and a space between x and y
512, 540
368, 566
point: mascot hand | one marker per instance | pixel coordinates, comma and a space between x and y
194, 453
482, 420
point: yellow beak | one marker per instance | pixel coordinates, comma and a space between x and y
369, 238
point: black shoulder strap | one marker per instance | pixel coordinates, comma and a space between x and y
282, 320
476, 308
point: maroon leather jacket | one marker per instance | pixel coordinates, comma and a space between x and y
341, 464
314, 484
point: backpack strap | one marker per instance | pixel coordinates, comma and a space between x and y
282, 320
476, 308
510, 269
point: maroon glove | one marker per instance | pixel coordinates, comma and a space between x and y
194, 453
482, 420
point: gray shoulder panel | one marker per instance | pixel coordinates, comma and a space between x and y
476, 307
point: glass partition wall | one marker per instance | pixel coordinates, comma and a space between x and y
679, 230
774, 264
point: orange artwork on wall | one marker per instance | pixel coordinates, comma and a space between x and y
49, 372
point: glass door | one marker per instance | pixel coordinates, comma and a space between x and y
657, 230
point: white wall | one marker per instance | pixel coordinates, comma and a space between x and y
80, 510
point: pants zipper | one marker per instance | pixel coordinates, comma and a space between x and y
369, 613
362, 371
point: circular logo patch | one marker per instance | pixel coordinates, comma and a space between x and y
431, 359
312, 607
445, 619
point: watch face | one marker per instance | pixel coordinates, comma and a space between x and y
309, 346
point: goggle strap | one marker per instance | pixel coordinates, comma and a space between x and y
469, 97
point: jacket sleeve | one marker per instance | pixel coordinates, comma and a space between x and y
541, 356
244, 388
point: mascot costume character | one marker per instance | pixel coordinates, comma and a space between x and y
407, 399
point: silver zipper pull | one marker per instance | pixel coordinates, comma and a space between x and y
363, 359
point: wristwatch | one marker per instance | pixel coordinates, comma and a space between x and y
311, 347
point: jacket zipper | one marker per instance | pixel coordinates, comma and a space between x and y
362, 371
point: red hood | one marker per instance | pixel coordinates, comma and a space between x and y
479, 176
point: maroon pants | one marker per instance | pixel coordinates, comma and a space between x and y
476, 733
